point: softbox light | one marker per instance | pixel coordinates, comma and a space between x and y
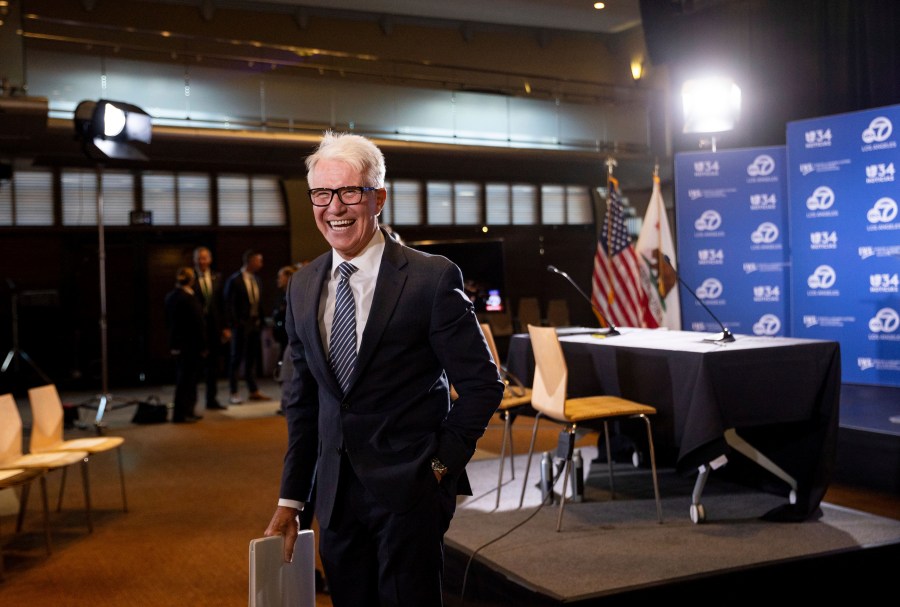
711, 105
113, 129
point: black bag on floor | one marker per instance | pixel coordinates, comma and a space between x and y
150, 411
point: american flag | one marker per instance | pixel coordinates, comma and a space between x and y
616, 289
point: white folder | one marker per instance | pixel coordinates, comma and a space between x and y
275, 583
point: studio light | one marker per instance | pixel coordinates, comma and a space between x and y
113, 129
711, 105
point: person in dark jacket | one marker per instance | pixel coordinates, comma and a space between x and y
187, 343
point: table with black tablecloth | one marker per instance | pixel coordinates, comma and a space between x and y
780, 394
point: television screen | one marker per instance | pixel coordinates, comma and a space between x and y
481, 263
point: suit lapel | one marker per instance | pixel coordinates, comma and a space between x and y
388, 287
309, 310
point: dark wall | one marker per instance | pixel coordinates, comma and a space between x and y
793, 59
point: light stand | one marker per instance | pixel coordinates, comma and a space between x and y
108, 129
16, 354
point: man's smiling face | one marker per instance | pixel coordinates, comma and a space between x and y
348, 229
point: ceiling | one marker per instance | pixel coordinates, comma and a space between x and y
576, 15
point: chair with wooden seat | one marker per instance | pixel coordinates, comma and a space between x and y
11, 456
47, 432
515, 395
528, 312
23, 478
558, 313
550, 400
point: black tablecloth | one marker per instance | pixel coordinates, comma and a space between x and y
780, 394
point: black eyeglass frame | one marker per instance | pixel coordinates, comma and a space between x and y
362, 190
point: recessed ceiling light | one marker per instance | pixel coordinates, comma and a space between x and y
599, 5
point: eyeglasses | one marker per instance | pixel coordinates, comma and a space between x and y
348, 195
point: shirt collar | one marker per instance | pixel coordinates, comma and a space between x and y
366, 262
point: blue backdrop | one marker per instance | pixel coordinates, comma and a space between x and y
845, 232
733, 245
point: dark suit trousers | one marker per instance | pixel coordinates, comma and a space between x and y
210, 366
374, 557
187, 368
245, 349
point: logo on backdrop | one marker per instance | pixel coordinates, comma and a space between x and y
708, 224
876, 135
761, 169
710, 257
829, 166
763, 202
766, 293
773, 266
823, 240
706, 168
764, 236
711, 291
817, 138
762, 166
885, 322
882, 251
820, 203
821, 281
881, 364
882, 215
768, 324
827, 321
884, 283
880, 173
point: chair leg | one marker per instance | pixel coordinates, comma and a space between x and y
46, 512
562, 493
23, 502
537, 419
87, 493
502, 457
511, 453
62, 489
609, 462
653, 468
122, 479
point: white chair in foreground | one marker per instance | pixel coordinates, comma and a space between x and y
514, 396
47, 432
21, 477
549, 398
11, 455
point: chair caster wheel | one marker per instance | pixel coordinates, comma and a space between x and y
698, 514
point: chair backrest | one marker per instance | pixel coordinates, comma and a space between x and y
10, 429
46, 419
492, 345
501, 322
558, 313
548, 391
528, 312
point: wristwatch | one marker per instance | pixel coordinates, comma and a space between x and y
438, 467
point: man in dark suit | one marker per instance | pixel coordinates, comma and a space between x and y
244, 313
187, 342
210, 293
385, 448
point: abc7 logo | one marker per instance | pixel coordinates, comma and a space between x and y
768, 324
879, 130
822, 198
884, 211
708, 221
761, 166
822, 277
766, 233
710, 289
886, 320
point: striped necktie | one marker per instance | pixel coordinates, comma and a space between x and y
342, 345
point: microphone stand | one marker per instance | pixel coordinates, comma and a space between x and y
725, 336
612, 331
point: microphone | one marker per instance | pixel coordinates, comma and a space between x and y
725, 336
612, 328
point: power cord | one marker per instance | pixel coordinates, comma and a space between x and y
462, 592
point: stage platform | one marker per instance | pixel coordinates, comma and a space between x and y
613, 552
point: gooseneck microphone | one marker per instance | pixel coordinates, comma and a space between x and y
725, 336
612, 328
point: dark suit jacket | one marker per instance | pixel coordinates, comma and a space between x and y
421, 335
214, 312
237, 300
184, 321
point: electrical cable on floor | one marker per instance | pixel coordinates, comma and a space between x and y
462, 592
